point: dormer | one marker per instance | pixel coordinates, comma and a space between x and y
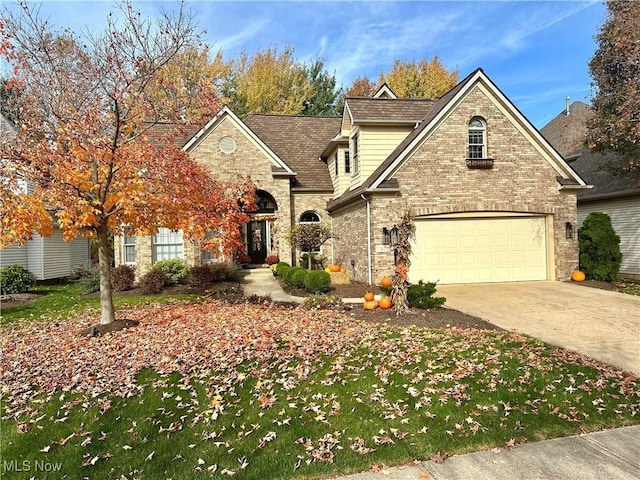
385, 92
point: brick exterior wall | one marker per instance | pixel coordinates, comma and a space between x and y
350, 244
435, 180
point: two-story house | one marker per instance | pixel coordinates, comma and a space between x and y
493, 200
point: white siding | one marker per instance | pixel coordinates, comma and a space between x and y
376, 143
79, 252
13, 256
35, 256
625, 218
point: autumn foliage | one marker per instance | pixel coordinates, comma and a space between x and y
95, 139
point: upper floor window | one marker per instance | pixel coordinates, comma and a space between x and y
347, 162
167, 244
477, 138
356, 165
309, 217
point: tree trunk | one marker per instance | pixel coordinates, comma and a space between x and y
107, 313
309, 260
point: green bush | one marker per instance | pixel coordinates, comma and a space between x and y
88, 274
175, 269
298, 277
281, 268
123, 277
317, 281
420, 295
153, 282
16, 279
288, 276
600, 255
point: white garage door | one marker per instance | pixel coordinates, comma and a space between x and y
474, 250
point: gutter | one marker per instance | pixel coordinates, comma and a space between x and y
369, 266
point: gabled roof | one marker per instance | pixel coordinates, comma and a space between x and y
387, 110
439, 109
225, 112
385, 92
159, 132
567, 134
299, 140
7, 128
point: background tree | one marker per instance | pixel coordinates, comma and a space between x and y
324, 93
419, 79
89, 137
309, 237
615, 70
268, 82
361, 87
600, 255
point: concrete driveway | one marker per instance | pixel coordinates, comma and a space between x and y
601, 324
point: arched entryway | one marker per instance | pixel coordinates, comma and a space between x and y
260, 230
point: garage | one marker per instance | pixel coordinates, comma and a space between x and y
476, 250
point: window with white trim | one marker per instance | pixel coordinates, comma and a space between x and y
128, 249
356, 162
347, 162
477, 138
311, 217
335, 159
167, 245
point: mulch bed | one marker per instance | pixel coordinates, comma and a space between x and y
433, 318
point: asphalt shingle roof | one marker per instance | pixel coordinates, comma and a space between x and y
298, 141
567, 133
388, 109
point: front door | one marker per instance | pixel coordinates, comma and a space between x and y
257, 240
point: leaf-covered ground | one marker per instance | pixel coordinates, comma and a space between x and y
213, 389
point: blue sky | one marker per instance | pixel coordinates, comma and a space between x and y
536, 52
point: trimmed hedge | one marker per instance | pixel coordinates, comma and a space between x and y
298, 278
123, 277
600, 255
317, 281
288, 276
421, 295
281, 268
176, 270
153, 282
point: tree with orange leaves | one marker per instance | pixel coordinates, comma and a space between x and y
88, 107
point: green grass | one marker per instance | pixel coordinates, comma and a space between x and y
407, 394
65, 300
630, 287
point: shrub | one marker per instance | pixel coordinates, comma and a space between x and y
317, 281
298, 277
16, 279
272, 259
288, 277
600, 254
123, 277
322, 302
420, 295
176, 270
200, 275
153, 282
281, 268
88, 274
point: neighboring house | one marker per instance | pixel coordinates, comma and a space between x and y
493, 200
46, 257
615, 193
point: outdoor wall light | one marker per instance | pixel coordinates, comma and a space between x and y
568, 230
393, 233
386, 235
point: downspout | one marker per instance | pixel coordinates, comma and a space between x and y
369, 267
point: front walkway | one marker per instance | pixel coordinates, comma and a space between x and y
261, 282
601, 324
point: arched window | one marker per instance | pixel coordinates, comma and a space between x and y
265, 202
477, 138
309, 217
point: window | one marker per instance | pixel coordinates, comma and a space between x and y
477, 138
167, 245
128, 248
309, 217
356, 166
347, 162
335, 160
209, 255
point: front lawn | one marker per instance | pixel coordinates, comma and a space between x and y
212, 389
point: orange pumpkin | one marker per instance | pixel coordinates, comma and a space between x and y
370, 305
334, 268
385, 282
343, 270
578, 276
369, 296
384, 303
